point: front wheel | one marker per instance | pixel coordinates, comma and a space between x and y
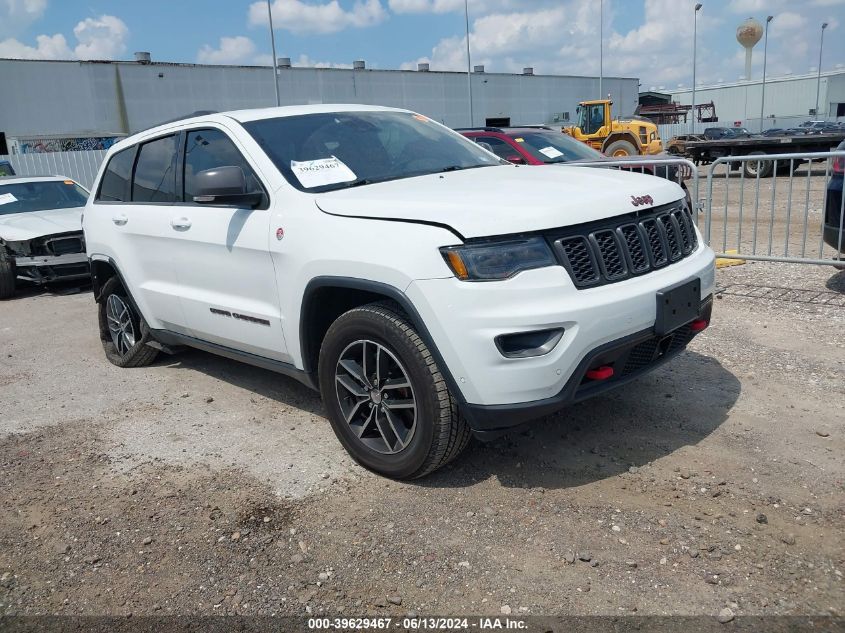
620, 149
123, 332
385, 396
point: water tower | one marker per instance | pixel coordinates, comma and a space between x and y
748, 34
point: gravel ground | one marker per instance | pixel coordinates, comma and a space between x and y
203, 486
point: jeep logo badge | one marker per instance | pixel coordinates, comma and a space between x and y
641, 200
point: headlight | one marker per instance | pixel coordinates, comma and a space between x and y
490, 261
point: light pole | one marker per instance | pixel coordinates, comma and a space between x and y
601, 46
694, 44
273, 45
469, 62
765, 50
819, 80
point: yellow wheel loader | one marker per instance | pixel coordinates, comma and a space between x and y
597, 128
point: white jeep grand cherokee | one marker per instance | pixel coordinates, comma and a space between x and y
428, 289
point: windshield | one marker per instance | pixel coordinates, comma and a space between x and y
554, 147
335, 150
24, 197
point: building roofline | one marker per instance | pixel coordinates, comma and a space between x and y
300, 68
752, 82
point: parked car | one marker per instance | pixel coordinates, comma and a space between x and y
425, 287
6, 168
834, 229
541, 145
677, 144
40, 231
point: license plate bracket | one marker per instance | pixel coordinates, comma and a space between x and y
677, 306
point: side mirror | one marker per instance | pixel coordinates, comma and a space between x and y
516, 159
225, 185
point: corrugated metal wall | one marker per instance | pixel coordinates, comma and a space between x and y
101, 99
81, 166
788, 100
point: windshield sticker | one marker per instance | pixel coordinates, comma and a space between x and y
550, 152
7, 198
324, 171
519, 140
420, 117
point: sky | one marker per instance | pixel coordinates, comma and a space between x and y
648, 39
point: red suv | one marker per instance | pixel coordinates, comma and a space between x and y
541, 145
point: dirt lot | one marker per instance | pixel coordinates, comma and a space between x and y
202, 486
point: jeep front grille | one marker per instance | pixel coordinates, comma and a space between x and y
619, 248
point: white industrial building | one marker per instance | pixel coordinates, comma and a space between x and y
71, 105
790, 100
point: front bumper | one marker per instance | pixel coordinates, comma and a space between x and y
465, 318
41, 269
630, 357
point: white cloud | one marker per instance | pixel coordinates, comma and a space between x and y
304, 61
47, 47
97, 38
15, 15
298, 16
232, 50
101, 38
425, 6
752, 7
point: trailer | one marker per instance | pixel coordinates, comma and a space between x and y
703, 152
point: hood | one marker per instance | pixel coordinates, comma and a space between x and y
17, 227
503, 200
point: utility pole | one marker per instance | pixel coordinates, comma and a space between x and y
469, 63
765, 51
601, 46
819, 80
273, 45
694, 45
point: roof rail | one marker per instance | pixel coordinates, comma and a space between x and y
187, 116
478, 129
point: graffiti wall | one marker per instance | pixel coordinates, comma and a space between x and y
86, 144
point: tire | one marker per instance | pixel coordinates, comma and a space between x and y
123, 332
7, 275
429, 432
621, 148
751, 167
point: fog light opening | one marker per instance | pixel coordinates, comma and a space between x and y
528, 344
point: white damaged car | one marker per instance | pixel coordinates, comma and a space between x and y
41, 237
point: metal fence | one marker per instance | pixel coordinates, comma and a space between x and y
780, 207
81, 166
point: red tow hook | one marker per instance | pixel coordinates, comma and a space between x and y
600, 373
698, 325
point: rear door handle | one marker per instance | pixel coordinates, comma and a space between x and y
120, 220
180, 224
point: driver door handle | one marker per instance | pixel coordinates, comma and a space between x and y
120, 220
180, 224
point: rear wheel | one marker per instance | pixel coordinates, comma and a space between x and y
758, 168
7, 275
123, 332
621, 148
385, 396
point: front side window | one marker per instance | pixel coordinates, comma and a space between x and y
499, 147
209, 149
554, 147
45, 195
334, 150
115, 184
155, 173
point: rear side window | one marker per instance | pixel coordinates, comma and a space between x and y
209, 149
115, 184
155, 171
